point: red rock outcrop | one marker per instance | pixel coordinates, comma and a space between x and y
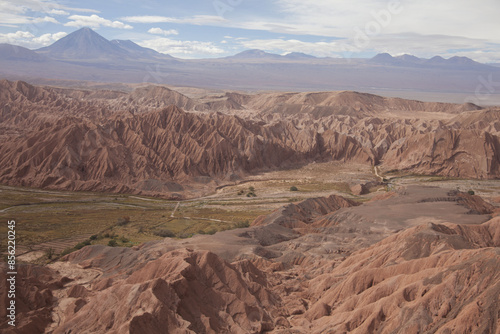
299, 215
182, 292
34, 300
452, 153
431, 278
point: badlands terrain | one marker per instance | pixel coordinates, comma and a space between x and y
322, 212
157, 141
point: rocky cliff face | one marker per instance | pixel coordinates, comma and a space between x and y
167, 145
455, 153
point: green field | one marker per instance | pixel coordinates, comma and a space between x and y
53, 218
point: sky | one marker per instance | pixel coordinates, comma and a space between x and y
219, 28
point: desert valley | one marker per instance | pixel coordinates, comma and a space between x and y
192, 206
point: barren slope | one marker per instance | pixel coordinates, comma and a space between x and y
401, 270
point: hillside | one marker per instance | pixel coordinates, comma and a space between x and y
114, 141
410, 276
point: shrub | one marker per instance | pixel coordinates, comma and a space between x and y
164, 233
241, 192
49, 253
185, 235
294, 188
124, 240
79, 245
82, 244
67, 251
471, 192
93, 237
112, 243
244, 224
251, 189
212, 231
123, 221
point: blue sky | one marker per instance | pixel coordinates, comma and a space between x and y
217, 28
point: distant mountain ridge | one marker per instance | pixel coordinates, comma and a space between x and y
87, 44
410, 60
299, 55
14, 52
260, 54
84, 55
254, 54
83, 44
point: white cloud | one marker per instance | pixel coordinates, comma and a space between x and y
81, 10
28, 40
94, 21
47, 39
339, 18
13, 36
11, 7
456, 20
216, 21
196, 20
39, 6
181, 48
144, 19
159, 31
33, 12
45, 19
58, 12
14, 19
59, 35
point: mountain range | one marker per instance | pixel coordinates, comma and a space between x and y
85, 55
87, 44
436, 61
259, 54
